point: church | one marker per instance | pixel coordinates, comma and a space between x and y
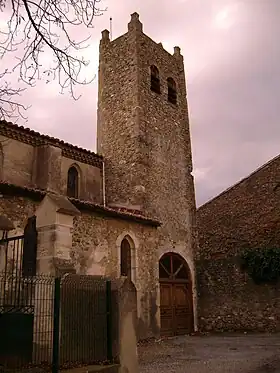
128, 210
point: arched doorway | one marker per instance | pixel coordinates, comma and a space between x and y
176, 301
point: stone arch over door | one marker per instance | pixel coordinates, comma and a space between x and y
176, 295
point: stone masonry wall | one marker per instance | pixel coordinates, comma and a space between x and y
117, 135
96, 250
245, 216
165, 141
18, 210
145, 139
228, 300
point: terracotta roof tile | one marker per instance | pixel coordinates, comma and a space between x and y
118, 212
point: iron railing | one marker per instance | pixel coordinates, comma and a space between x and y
11, 255
26, 321
49, 324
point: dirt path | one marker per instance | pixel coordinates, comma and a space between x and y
212, 354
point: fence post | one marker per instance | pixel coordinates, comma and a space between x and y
109, 321
56, 326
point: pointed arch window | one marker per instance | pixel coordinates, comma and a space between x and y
73, 182
172, 91
125, 258
155, 81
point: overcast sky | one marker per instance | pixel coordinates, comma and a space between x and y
232, 55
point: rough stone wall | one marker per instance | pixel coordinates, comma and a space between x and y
165, 141
18, 210
116, 131
245, 216
96, 250
145, 139
140, 132
228, 299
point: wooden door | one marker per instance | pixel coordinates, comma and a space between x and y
182, 309
176, 307
166, 309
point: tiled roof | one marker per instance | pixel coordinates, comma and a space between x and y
116, 212
119, 213
34, 138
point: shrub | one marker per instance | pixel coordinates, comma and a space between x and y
262, 265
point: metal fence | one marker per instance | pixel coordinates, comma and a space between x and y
26, 321
47, 324
85, 334
11, 255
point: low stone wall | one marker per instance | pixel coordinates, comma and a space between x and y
229, 300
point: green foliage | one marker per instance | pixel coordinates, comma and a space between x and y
262, 265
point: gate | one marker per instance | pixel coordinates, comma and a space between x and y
54, 323
26, 321
85, 328
17, 260
16, 320
20, 295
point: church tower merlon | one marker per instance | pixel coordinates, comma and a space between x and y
135, 24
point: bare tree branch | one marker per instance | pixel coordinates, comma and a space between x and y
40, 28
10, 106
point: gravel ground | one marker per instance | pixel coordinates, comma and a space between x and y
250, 353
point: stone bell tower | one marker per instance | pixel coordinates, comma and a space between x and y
143, 129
